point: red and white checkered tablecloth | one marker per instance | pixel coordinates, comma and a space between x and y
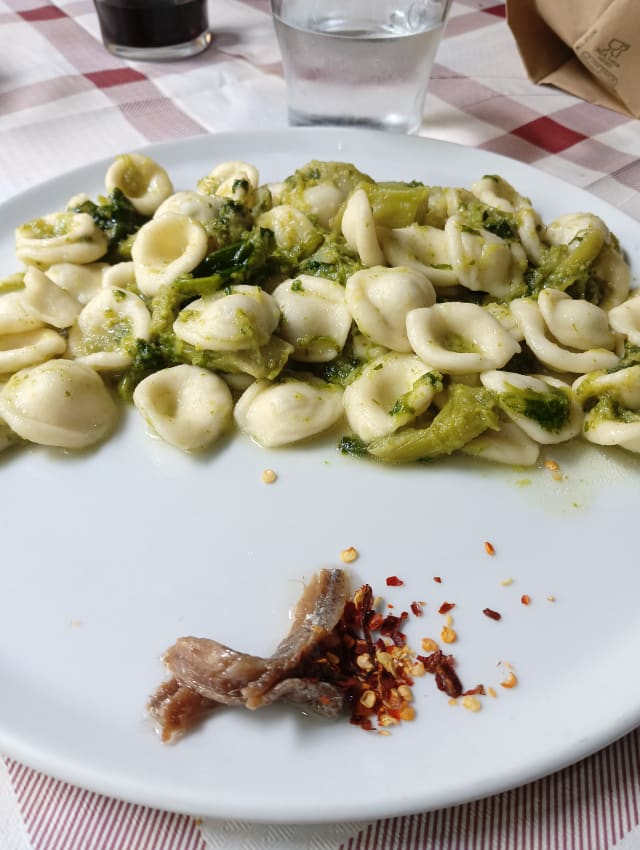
65, 101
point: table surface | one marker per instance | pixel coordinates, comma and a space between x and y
65, 101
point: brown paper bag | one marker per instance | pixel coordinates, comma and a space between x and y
589, 48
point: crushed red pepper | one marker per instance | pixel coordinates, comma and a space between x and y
416, 609
437, 579
441, 666
445, 607
478, 690
367, 657
493, 615
394, 581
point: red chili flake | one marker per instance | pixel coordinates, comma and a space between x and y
391, 628
525, 599
437, 579
416, 608
493, 615
479, 689
489, 548
375, 621
394, 581
441, 666
446, 606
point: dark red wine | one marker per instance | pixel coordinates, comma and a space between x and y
158, 24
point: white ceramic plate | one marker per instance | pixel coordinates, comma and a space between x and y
108, 557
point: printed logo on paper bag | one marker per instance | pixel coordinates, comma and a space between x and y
610, 54
602, 60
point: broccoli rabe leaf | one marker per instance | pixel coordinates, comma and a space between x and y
351, 445
341, 371
550, 409
467, 413
397, 204
266, 361
333, 260
498, 222
116, 216
249, 261
231, 224
345, 176
631, 357
610, 409
148, 357
246, 262
411, 400
568, 269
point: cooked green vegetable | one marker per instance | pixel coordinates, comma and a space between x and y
568, 269
467, 413
116, 216
333, 259
550, 409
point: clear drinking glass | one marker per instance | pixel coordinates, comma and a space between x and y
154, 29
358, 62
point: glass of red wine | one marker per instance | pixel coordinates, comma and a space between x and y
154, 30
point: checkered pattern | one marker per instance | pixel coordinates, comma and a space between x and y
60, 89
65, 101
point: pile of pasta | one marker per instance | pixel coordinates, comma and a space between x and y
422, 320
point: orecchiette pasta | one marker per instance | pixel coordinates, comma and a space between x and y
58, 403
575, 324
195, 205
426, 320
82, 282
239, 318
567, 228
545, 408
63, 237
420, 247
482, 261
234, 179
389, 393
510, 445
165, 248
459, 338
497, 192
380, 299
120, 276
141, 179
625, 319
27, 348
315, 317
359, 229
107, 327
614, 417
48, 302
611, 268
14, 318
550, 353
323, 202
278, 414
188, 407
290, 227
